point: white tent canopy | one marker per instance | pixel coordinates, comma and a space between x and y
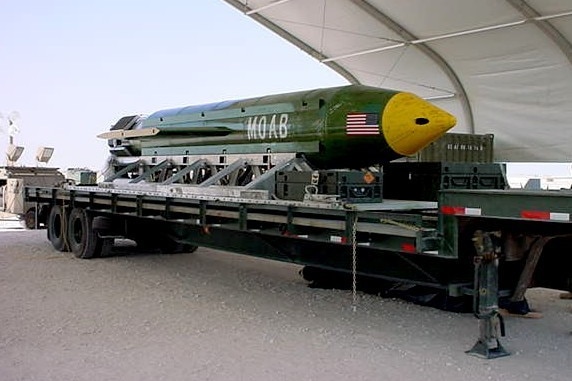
501, 66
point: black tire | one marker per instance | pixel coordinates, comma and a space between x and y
57, 228
84, 242
30, 221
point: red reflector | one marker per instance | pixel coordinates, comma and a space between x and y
344, 239
535, 214
408, 248
452, 210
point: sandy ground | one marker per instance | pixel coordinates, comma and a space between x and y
213, 315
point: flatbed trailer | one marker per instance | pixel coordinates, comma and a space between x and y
485, 244
276, 177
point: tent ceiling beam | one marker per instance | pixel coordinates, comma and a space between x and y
540, 20
256, 10
408, 36
547, 28
293, 39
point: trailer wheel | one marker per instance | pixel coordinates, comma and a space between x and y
57, 228
84, 242
30, 221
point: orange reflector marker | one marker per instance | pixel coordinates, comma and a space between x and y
368, 177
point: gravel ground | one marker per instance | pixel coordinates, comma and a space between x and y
213, 315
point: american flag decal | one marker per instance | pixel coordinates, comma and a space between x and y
362, 123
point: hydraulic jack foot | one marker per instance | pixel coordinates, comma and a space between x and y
482, 350
488, 346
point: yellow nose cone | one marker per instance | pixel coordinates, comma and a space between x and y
410, 123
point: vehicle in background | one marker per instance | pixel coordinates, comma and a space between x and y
14, 180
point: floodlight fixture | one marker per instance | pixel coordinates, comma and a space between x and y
44, 154
14, 152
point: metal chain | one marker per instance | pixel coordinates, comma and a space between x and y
354, 262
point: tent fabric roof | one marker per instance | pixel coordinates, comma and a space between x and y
501, 66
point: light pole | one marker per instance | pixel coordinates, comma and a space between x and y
14, 152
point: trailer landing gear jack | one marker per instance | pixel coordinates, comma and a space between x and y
485, 299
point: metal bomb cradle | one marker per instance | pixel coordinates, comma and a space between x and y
262, 177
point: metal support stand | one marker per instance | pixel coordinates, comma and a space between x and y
485, 299
528, 271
